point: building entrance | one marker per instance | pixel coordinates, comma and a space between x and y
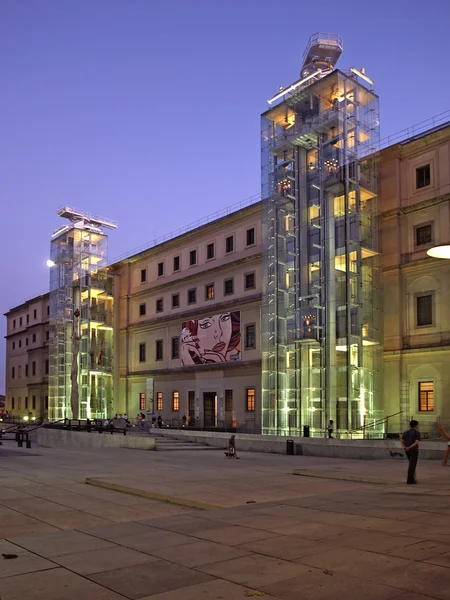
209, 409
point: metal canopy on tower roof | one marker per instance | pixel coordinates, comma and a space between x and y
322, 51
75, 215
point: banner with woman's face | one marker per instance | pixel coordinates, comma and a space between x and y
211, 339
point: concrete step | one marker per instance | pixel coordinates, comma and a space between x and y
172, 444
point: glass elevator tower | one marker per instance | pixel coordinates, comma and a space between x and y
322, 300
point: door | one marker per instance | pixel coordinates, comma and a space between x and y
191, 400
209, 409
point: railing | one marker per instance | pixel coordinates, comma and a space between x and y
416, 129
379, 424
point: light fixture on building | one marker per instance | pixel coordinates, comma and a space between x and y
50, 263
442, 251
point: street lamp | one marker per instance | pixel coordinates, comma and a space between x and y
442, 251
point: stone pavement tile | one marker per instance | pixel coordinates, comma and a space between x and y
26, 562
423, 550
389, 570
313, 531
140, 537
105, 559
442, 560
144, 580
434, 534
263, 522
255, 571
433, 520
61, 542
9, 493
412, 596
293, 513
233, 535
72, 519
285, 547
323, 585
186, 523
34, 507
373, 541
199, 553
25, 527
360, 522
115, 513
213, 590
57, 584
76, 501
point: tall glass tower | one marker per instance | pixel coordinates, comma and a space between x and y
81, 319
322, 302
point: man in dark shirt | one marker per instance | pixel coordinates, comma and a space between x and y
410, 442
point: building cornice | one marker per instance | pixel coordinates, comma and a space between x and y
424, 350
398, 211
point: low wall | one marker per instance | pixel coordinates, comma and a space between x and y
61, 438
359, 449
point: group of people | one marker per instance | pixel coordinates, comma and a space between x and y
411, 443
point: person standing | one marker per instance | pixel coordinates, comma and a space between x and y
447, 452
410, 443
330, 429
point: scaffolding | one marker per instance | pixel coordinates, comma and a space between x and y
81, 318
322, 334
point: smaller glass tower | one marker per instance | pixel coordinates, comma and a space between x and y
81, 319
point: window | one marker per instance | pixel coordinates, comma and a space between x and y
19, 372
47, 335
34, 338
176, 263
48, 311
34, 314
159, 305
209, 251
26, 370
26, 341
26, 402
175, 347
13, 373
228, 286
424, 235
20, 343
209, 291
141, 401
33, 368
175, 401
159, 401
20, 322
46, 367
229, 244
160, 269
426, 396
14, 324
423, 177
175, 300
424, 308
12, 403
143, 275
250, 236
250, 405
228, 400
159, 350
142, 353
14, 345
33, 403
193, 257
28, 319
142, 309
250, 336
192, 296
249, 281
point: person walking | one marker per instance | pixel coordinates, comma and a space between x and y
330, 429
410, 443
447, 452
160, 421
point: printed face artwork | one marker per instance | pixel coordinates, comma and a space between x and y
211, 339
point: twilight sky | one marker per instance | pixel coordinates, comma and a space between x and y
147, 111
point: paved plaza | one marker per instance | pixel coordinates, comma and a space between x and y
266, 533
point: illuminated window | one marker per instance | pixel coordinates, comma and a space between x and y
426, 396
141, 401
175, 401
209, 291
159, 401
423, 178
250, 405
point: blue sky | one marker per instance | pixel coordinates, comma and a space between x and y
147, 112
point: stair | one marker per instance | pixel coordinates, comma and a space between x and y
171, 443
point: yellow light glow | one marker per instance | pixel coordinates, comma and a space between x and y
440, 252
